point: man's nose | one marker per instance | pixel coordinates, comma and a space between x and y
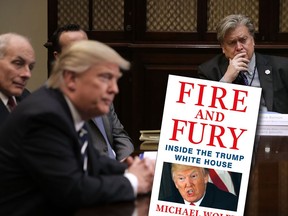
114, 87
239, 45
26, 72
189, 183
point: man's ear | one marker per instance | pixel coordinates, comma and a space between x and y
223, 50
175, 183
55, 54
70, 79
206, 178
253, 41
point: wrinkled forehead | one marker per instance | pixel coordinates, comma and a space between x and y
22, 49
237, 32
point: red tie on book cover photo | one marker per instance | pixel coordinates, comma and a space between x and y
11, 103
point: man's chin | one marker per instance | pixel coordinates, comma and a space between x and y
106, 110
17, 92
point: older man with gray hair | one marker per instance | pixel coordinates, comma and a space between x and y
17, 59
240, 64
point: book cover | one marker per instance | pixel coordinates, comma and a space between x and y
207, 132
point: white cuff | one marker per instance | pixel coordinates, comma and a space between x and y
133, 180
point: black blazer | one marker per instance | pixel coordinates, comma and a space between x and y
274, 85
4, 112
214, 198
40, 163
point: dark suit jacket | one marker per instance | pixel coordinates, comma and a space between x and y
117, 136
214, 198
40, 162
274, 85
4, 112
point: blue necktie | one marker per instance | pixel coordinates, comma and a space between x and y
242, 79
83, 138
99, 123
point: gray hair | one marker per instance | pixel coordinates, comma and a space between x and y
5, 39
231, 22
82, 55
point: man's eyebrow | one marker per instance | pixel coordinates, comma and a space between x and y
23, 59
19, 58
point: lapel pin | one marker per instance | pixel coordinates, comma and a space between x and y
267, 72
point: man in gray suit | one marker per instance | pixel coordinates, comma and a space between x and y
236, 36
112, 133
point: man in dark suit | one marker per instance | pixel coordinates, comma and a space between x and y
193, 188
17, 59
236, 36
45, 168
114, 140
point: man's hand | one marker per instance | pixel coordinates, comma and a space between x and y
144, 171
237, 64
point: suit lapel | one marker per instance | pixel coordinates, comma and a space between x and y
3, 111
24, 95
208, 197
108, 129
223, 65
265, 79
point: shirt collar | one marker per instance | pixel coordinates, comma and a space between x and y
251, 65
78, 122
4, 98
195, 203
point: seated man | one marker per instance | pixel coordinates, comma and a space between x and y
108, 134
17, 59
240, 64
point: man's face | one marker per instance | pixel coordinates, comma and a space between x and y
191, 183
237, 41
94, 90
16, 67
